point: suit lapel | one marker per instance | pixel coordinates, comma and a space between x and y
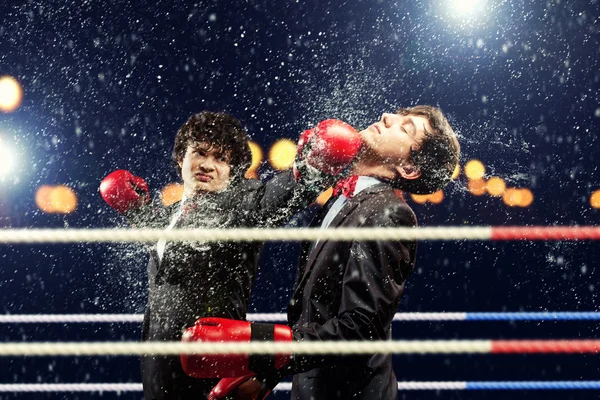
339, 219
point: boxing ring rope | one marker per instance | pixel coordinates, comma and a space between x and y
287, 386
13, 236
279, 317
575, 346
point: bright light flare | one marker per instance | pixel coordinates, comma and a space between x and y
11, 94
466, 7
7, 161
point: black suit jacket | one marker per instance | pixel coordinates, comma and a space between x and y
196, 280
351, 291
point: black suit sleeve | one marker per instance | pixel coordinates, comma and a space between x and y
280, 198
373, 282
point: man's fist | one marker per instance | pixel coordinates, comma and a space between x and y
329, 148
123, 191
233, 365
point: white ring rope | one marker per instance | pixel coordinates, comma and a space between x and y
281, 317
8, 236
176, 348
136, 318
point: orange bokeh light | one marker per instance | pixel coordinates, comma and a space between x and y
11, 94
475, 169
437, 197
257, 156
56, 199
419, 198
456, 172
512, 197
323, 197
526, 198
63, 199
477, 187
595, 199
282, 154
171, 194
496, 186
42, 199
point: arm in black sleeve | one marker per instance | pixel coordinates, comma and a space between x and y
282, 197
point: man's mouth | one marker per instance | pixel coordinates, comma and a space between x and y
203, 177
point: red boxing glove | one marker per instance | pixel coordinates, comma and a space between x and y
233, 365
330, 147
246, 387
123, 191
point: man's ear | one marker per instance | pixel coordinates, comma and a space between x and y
409, 172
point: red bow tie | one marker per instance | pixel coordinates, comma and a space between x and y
346, 186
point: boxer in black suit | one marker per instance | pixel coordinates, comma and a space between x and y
351, 291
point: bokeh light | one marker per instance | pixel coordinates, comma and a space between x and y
477, 187
42, 199
63, 199
512, 197
437, 197
323, 197
475, 169
58, 199
171, 194
257, 157
456, 172
11, 94
526, 198
419, 198
496, 186
595, 199
282, 154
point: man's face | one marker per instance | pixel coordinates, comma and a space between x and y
204, 169
391, 138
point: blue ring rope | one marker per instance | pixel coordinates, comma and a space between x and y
533, 316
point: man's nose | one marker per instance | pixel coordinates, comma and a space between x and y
387, 119
207, 165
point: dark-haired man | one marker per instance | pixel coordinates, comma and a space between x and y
351, 290
190, 280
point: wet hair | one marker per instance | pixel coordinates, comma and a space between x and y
223, 132
438, 154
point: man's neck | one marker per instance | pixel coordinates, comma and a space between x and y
374, 170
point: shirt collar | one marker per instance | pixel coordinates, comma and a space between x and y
365, 182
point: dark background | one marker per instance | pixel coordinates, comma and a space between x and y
107, 84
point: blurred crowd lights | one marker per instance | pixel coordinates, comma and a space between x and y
595, 199
58, 199
11, 94
61, 199
495, 186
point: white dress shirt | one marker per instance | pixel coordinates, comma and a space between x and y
160, 245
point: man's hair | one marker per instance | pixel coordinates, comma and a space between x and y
223, 132
438, 156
